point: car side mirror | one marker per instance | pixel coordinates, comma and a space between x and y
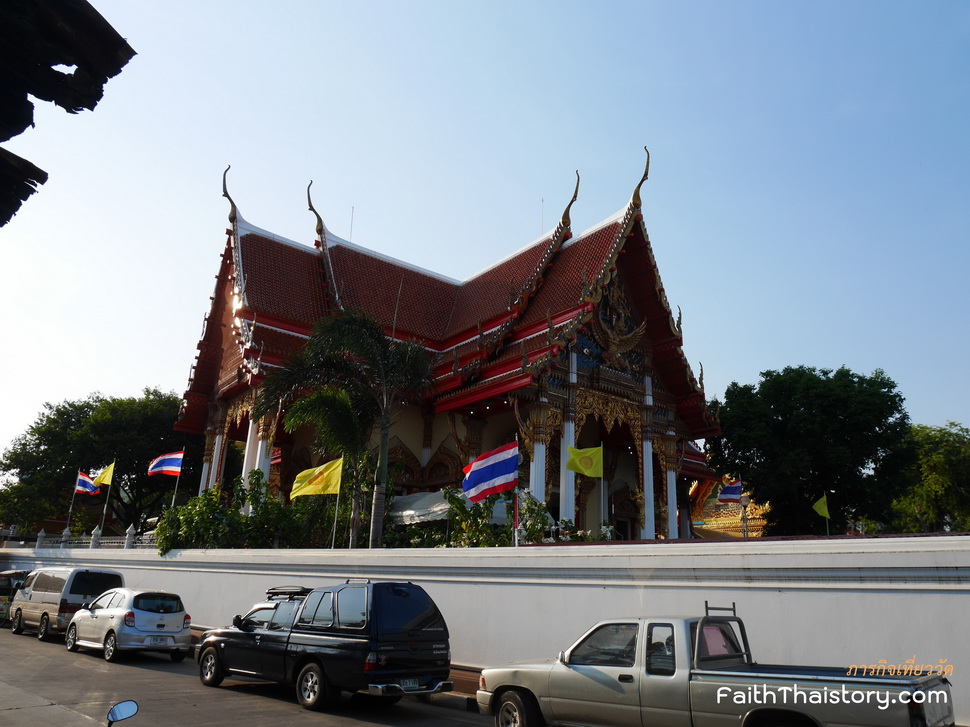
562, 657
237, 621
122, 710
86, 606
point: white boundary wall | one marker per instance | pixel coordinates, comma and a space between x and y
827, 602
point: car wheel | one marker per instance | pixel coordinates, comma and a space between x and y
312, 688
111, 651
44, 629
17, 626
517, 709
70, 641
210, 668
177, 656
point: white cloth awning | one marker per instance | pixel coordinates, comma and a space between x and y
424, 507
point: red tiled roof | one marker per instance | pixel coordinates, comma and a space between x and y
371, 283
285, 289
282, 281
489, 294
563, 287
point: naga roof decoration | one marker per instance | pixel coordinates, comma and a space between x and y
493, 333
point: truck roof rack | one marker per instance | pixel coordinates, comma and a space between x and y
286, 592
732, 609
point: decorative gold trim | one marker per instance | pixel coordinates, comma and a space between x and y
324, 250
240, 407
565, 222
210, 445
646, 173
233, 212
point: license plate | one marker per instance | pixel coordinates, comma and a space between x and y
158, 640
409, 684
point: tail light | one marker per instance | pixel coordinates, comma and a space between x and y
187, 621
65, 608
130, 619
370, 664
481, 682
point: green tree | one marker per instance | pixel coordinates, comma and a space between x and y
89, 434
803, 432
939, 498
352, 352
343, 422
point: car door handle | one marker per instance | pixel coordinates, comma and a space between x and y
626, 678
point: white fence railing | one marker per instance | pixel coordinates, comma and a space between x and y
68, 540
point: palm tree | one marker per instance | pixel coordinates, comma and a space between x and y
341, 425
351, 351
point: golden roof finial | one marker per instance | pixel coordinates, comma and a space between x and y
319, 219
225, 193
325, 251
646, 173
565, 215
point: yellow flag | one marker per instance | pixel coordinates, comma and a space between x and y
822, 507
587, 462
106, 474
322, 480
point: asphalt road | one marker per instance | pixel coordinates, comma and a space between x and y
43, 684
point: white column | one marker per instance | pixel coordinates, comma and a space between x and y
537, 473
211, 469
204, 481
264, 456
567, 478
671, 503
649, 530
252, 450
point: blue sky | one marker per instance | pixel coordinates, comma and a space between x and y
808, 202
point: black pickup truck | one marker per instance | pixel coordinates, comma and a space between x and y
384, 639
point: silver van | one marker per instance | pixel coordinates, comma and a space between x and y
49, 597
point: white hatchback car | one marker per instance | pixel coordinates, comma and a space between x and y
125, 619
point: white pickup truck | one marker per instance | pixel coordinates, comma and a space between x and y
698, 672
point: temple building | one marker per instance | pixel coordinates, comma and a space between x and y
570, 341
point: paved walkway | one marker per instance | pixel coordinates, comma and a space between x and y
19, 708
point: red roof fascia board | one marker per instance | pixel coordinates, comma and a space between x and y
517, 336
262, 319
484, 391
540, 326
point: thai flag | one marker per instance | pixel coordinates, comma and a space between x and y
85, 485
167, 464
493, 472
731, 492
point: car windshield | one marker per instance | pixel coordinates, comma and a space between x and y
158, 602
89, 583
407, 609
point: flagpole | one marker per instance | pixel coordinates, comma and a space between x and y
336, 512
515, 516
515, 505
107, 495
177, 478
72, 506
